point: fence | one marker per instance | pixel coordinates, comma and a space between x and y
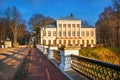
57, 55
94, 69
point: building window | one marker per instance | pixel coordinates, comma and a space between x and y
60, 33
49, 33
78, 25
73, 33
54, 42
73, 25
64, 28
49, 42
69, 34
87, 33
92, 33
69, 28
64, 33
78, 33
54, 33
60, 25
87, 42
83, 33
64, 41
59, 41
69, 25
44, 33
44, 42
73, 41
83, 42
69, 42
92, 42
78, 41
64, 25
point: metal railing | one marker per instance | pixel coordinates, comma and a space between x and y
95, 69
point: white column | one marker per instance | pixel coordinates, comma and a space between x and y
45, 50
65, 62
80, 29
51, 52
62, 30
66, 30
71, 30
75, 31
66, 58
57, 31
85, 41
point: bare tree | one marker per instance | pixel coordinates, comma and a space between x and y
104, 29
39, 20
13, 20
108, 25
21, 30
116, 7
4, 29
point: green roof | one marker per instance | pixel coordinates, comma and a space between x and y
49, 26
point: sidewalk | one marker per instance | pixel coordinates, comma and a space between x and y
10, 61
40, 68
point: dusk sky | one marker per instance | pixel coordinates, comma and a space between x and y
88, 10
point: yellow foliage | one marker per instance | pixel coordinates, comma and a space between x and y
104, 54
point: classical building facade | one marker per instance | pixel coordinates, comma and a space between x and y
68, 31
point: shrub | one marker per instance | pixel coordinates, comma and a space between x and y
111, 55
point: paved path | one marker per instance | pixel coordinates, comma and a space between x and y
40, 68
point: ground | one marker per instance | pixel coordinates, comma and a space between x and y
10, 60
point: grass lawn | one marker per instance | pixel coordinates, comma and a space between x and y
110, 54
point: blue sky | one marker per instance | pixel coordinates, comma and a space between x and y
88, 10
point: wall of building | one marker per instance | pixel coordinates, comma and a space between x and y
48, 36
68, 26
88, 36
68, 33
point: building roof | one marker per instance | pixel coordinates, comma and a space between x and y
68, 18
49, 26
86, 26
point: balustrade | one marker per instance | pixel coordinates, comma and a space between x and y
57, 55
95, 69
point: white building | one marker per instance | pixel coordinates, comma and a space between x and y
68, 31
48, 35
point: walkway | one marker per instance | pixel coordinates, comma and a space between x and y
40, 68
